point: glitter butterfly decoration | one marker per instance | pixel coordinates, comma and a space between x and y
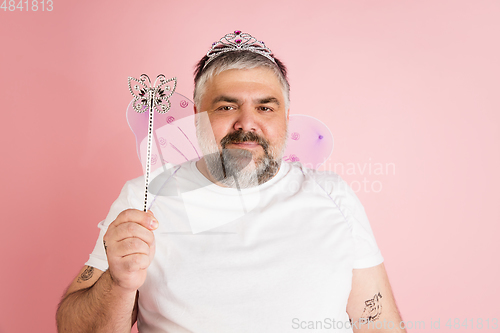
154, 97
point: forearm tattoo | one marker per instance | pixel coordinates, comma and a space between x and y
373, 308
86, 275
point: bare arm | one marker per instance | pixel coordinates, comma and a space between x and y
371, 305
96, 304
107, 302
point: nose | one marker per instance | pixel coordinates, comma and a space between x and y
246, 120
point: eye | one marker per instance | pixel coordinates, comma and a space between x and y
225, 108
265, 109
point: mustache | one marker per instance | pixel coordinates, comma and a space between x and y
240, 136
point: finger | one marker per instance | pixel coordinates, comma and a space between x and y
131, 246
152, 251
132, 229
135, 262
146, 219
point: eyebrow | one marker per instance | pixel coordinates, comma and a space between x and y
223, 98
265, 100
268, 100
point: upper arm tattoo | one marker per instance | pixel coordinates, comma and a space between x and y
373, 308
86, 274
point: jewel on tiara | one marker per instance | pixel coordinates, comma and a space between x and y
238, 41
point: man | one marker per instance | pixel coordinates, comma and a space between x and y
242, 242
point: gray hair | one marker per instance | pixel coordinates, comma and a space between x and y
237, 60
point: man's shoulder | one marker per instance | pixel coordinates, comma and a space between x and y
328, 181
320, 176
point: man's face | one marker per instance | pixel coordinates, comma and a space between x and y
247, 114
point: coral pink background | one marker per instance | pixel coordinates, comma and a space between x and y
412, 85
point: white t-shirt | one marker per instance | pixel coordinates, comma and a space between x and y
277, 257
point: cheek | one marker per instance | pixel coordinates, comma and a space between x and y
278, 133
219, 132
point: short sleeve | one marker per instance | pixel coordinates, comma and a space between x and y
367, 253
98, 258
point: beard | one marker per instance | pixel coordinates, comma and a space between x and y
238, 168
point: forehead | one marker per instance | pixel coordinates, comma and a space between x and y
255, 81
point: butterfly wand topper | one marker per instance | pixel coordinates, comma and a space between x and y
151, 97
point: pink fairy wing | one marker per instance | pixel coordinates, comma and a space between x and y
309, 141
174, 139
178, 141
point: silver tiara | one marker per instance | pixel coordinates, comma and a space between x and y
238, 41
